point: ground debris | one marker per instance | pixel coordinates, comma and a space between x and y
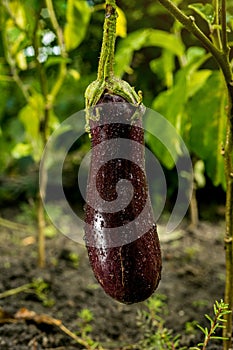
23, 314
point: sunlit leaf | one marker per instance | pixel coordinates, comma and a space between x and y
74, 73
121, 26
199, 176
159, 126
18, 12
31, 115
197, 80
164, 66
21, 60
194, 52
208, 118
78, 16
53, 60
16, 39
144, 38
172, 103
21, 150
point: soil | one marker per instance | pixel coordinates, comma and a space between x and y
192, 280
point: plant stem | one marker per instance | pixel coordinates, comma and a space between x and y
106, 61
49, 98
62, 68
194, 210
224, 27
189, 23
228, 150
20, 289
222, 58
215, 30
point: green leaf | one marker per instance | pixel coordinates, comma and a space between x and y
194, 52
164, 66
166, 143
209, 318
206, 110
53, 60
165, 40
30, 116
21, 150
21, 60
121, 25
144, 38
18, 12
205, 11
77, 16
199, 169
16, 39
203, 330
170, 103
197, 80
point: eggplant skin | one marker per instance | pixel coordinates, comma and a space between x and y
128, 271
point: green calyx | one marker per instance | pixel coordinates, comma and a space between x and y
114, 86
106, 82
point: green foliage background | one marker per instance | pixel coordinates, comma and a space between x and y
45, 67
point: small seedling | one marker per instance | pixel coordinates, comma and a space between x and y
85, 318
157, 336
217, 322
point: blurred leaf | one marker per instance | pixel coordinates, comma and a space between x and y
165, 40
74, 74
78, 16
5, 78
199, 173
18, 12
15, 38
206, 11
207, 112
53, 60
144, 38
121, 26
194, 52
162, 149
32, 10
21, 150
197, 80
164, 66
170, 103
21, 60
31, 115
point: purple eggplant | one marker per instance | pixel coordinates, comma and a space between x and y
122, 244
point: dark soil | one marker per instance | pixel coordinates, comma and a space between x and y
192, 279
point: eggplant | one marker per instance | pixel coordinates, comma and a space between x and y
122, 243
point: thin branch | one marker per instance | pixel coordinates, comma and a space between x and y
215, 30
62, 69
224, 28
222, 58
17, 290
190, 25
56, 26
